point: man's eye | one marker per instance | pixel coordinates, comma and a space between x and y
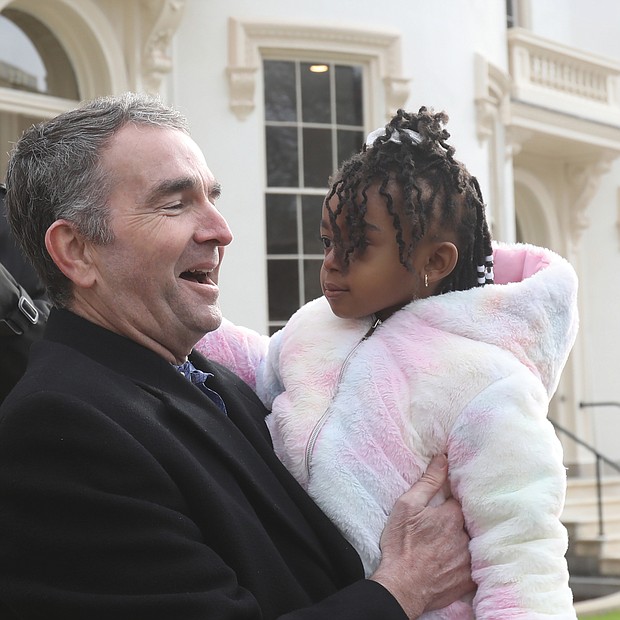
177, 206
327, 242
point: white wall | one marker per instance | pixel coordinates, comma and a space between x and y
590, 25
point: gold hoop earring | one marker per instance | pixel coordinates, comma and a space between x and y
426, 280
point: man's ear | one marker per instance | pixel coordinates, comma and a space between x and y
441, 261
71, 253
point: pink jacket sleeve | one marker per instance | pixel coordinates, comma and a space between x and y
240, 349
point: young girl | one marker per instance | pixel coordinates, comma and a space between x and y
427, 340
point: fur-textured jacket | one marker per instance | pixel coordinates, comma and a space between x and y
467, 373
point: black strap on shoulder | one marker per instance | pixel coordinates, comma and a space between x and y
17, 311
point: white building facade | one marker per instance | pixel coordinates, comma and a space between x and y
278, 93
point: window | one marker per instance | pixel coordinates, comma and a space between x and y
313, 122
365, 87
512, 14
21, 66
36, 76
32, 59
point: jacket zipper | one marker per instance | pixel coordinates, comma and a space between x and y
323, 419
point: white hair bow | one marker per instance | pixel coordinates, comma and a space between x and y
416, 138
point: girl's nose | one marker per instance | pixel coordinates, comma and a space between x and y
332, 261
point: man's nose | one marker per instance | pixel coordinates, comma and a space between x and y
214, 227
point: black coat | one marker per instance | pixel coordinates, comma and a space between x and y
125, 493
18, 280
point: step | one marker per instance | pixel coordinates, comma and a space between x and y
583, 489
587, 510
584, 560
610, 566
600, 549
588, 588
584, 523
593, 552
583, 501
584, 513
585, 547
591, 528
584, 508
589, 554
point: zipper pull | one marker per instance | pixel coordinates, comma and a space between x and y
374, 326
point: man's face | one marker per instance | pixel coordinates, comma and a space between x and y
157, 281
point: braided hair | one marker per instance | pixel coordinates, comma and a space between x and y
437, 192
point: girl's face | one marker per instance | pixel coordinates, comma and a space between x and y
374, 281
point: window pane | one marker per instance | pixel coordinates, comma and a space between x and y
312, 281
282, 157
511, 14
314, 121
21, 66
32, 58
314, 94
317, 157
349, 143
280, 96
349, 95
281, 224
311, 208
283, 282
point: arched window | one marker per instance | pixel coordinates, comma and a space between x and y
34, 70
32, 59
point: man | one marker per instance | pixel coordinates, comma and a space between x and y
126, 490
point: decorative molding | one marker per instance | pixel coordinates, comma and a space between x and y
516, 137
242, 85
583, 180
248, 40
163, 18
396, 94
492, 97
563, 78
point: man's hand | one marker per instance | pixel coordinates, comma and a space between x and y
425, 560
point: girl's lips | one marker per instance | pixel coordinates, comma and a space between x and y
330, 291
332, 287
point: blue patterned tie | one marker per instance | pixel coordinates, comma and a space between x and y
198, 378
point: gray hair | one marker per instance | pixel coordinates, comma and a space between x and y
55, 172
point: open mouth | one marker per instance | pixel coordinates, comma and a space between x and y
196, 275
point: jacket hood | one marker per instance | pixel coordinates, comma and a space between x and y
531, 310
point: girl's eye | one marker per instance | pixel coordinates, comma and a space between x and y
327, 243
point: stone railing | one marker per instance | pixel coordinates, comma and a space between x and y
560, 78
13, 77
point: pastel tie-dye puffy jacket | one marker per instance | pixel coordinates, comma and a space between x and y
467, 373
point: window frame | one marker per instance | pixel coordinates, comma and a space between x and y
299, 191
378, 51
